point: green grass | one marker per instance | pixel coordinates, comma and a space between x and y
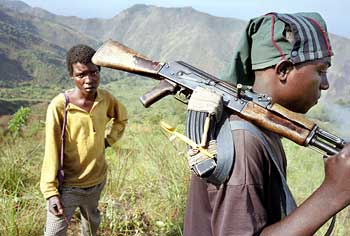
147, 176
21, 206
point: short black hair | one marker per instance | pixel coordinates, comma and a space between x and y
79, 53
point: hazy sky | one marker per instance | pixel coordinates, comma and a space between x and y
336, 12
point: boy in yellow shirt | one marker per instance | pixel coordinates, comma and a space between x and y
88, 110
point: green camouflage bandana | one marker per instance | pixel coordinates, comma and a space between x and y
264, 44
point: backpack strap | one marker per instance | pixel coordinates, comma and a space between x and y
60, 173
288, 202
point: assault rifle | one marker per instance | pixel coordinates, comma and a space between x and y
180, 78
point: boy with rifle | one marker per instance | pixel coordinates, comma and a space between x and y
286, 57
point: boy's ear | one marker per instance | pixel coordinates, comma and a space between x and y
283, 68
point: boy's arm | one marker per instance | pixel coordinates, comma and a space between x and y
48, 179
118, 113
331, 197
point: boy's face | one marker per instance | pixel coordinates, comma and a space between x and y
86, 77
304, 85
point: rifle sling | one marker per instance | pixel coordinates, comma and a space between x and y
60, 173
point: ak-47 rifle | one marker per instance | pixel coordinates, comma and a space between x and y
181, 78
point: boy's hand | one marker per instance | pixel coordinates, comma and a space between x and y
337, 172
55, 205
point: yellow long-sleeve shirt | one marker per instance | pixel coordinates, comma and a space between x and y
84, 161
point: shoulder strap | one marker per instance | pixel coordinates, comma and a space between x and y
288, 202
60, 174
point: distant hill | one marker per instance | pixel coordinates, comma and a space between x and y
339, 73
42, 38
168, 34
34, 49
22, 49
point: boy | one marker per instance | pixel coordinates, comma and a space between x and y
88, 111
285, 56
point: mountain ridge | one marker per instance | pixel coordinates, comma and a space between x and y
164, 34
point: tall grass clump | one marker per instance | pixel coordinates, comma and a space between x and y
21, 205
147, 184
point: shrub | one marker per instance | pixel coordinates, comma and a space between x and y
19, 120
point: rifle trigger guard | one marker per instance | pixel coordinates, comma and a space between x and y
183, 96
181, 100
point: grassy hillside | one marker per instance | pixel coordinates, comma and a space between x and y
148, 177
25, 55
147, 184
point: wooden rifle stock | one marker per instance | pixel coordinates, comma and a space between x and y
115, 55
